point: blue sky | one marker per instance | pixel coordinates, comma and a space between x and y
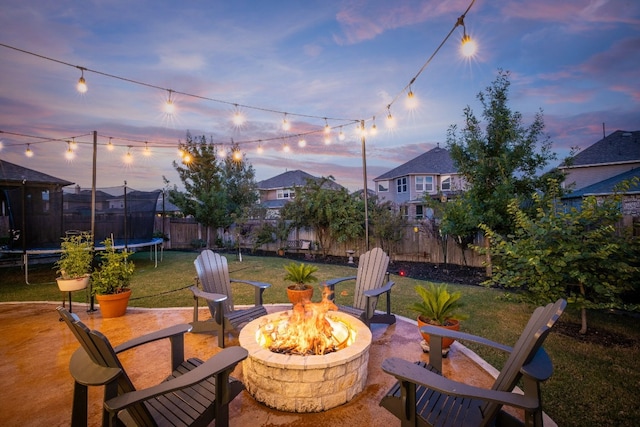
577, 61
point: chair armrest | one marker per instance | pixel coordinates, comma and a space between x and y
84, 371
169, 332
540, 368
225, 360
332, 282
377, 292
261, 285
407, 371
442, 332
209, 296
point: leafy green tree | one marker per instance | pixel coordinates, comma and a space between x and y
217, 192
387, 224
503, 160
334, 214
574, 254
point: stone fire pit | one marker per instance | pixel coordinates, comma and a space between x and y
295, 383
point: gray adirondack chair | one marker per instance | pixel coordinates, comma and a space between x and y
372, 281
423, 397
213, 275
195, 394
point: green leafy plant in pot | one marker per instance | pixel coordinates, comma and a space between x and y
301, 275
438, 307
74, 264
111, 280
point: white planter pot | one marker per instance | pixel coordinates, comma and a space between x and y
70, 285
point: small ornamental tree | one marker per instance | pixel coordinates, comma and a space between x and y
573, 253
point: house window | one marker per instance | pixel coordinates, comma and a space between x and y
445, 185
404, 211
419, 211
383, 186
286, 193
424, 183
401, 184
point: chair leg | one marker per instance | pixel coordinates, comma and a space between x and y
79, 412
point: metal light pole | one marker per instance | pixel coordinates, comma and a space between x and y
366, 191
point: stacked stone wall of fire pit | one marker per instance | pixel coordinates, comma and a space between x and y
296, 383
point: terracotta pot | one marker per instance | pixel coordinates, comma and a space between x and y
446, 342
297, 296
70, 285
114, 305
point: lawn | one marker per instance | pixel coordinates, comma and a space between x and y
593, 383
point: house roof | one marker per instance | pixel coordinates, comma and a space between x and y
436, 161
290, 179
11, 174
619, 147
608, 185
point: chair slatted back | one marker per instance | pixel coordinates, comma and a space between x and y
531, 340
372, 268
101, 352
213, 273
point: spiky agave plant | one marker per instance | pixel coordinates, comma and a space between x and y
300, 274
438, 304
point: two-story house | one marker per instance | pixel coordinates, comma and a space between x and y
278, 190
430, 174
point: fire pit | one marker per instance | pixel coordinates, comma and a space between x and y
305, 383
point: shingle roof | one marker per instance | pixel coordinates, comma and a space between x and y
290, 179
436, 161
607, 186
11, 174
619, 147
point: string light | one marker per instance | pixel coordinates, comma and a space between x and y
374, 129
128, 158
237, 155
239, 118
412, 101
391, 121
73, 145
69, 155
28, 152
82, 84
222, 153
341, 135
110, 146
259, 150
169, 106
327, 128
186, 158
327, 139
147, 151
286, 148
285, 123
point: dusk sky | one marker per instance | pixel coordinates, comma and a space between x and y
576, 60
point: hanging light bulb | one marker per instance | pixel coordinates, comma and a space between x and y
286, 148
469, 46
374, 128
285, 124
238, 117
302, 142
327, 128
28, 152
169, 106
341, 135
259, 150
412, 102
110, 145
147, 150
222, 153
181, 152
128, 158
327, 139
391, 121
69, 155
186, 158
73, 145
82, 84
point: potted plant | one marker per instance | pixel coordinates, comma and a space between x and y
438, 307
74, 264
300, 274
110, 281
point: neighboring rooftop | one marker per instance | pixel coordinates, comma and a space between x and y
291, 179
435, 161
608, 186
11, 174
619, 147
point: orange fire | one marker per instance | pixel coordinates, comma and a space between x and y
306, 331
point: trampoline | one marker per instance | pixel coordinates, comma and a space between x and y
153, 254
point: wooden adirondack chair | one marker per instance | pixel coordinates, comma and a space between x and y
213, 275
423, 397
195, 394
371, 282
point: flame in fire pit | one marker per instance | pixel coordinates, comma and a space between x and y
308, 330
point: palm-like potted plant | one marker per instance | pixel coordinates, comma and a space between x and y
110, 281
74, 264
301, 275
438, 307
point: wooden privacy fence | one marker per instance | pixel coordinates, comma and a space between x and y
185, 233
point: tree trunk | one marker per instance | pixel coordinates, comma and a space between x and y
488, 266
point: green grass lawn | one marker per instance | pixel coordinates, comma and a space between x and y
593, 384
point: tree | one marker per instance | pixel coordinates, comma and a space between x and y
217, 192
574, 254
387, 224
332, 213
501, 162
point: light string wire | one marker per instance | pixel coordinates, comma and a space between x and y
349, 122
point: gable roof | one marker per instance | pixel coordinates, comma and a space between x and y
436, 161
290, 179
607, 186
619, 147
11, 174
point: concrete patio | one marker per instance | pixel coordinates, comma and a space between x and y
37, 387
